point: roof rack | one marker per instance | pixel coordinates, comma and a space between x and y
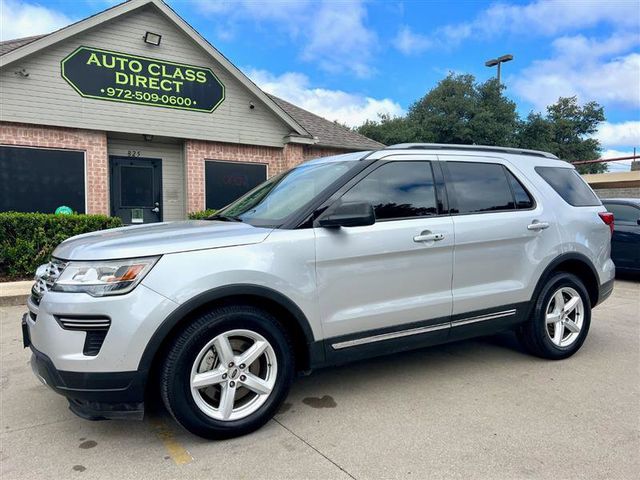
475, 148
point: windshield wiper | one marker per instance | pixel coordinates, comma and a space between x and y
225, 218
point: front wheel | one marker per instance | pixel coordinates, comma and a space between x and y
228, 372
560, 320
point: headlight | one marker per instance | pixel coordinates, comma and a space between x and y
103, 277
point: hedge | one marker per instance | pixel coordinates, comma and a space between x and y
201, 214
27, 239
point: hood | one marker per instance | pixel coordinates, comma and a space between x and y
158, 239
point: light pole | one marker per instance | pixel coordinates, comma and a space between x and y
498, 61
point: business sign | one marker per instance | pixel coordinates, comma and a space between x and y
120, 77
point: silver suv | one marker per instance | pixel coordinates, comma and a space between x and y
338, 259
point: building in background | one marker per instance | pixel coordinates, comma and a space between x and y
132, 113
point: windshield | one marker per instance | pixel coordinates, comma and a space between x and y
272, 202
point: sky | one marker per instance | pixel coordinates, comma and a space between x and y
351, 60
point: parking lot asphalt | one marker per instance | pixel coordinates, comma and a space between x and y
474, 409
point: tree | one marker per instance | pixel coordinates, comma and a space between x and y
457, 110
388, 130
566, 132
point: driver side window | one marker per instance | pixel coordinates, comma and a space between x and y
397, 190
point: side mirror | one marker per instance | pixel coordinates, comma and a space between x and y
348, 214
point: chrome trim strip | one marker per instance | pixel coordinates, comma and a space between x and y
389, 336
419, 330
482, 318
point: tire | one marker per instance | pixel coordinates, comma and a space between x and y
200, 349
545, 326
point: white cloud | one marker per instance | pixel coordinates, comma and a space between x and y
409, 42
348, 108
542, 17
23, 19
605, 70
332, 34
624, 134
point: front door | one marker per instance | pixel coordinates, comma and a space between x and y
136, 189
393, 275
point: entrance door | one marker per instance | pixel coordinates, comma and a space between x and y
136, 189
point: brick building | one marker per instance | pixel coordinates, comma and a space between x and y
131, 112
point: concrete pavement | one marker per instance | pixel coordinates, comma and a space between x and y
473, 409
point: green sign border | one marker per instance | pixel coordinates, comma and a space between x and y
136, 101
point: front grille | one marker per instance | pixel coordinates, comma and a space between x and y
46, 276
96, 329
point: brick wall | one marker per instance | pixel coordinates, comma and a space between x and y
93, 143
278, 160
317, 152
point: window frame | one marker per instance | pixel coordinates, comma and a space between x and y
453, 196
539, 167
442, 203
61, 149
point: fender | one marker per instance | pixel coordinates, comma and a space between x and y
216, 294
554, 264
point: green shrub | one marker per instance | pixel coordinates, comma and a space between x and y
27, 239
201, 214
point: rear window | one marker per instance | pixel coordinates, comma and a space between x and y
569, 185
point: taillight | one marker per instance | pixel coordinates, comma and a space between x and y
607, 217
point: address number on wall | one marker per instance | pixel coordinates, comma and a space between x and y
133, 153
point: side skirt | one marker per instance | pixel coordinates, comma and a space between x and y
348, 348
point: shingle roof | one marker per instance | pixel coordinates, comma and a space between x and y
329, 134
9, 45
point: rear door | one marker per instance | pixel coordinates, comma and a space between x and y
502, 234
391, 275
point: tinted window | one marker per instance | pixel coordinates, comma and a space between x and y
228, 181
41, 180
522, 197
569, 185
479, 187
623, 213
136, 186
397, 190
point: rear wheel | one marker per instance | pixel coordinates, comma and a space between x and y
228, 372
560, 320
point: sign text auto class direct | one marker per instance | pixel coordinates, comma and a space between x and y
128, 78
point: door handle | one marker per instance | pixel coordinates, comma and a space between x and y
155, 210
536, 226
428, 237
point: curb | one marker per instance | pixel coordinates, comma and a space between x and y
13, 300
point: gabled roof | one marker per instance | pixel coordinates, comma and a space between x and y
75, 28
329, 134
307, 128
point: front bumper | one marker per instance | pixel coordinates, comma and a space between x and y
91, 395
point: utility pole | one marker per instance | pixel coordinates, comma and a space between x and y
498, 62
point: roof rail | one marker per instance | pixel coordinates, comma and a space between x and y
475, 148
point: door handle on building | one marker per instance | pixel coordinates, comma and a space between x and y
536, 225
428, 237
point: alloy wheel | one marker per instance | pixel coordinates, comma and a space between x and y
233, 375
564, 317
